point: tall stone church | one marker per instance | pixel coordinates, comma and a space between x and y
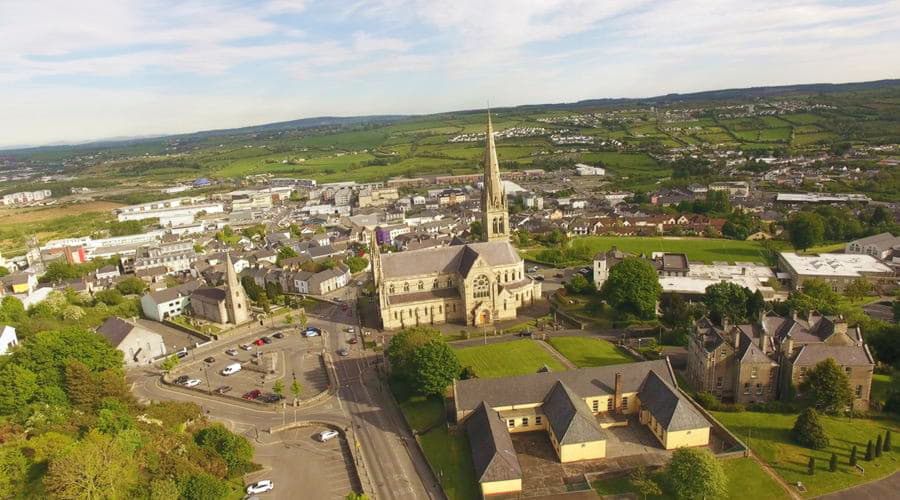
473, 284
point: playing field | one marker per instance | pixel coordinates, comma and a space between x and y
505, 359
586, 351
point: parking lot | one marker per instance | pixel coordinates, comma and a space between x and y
302, 467
295, 357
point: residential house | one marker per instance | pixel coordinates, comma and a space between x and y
139, 345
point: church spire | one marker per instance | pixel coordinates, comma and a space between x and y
495, 218
235, 300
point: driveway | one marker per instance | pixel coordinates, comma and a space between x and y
876, 490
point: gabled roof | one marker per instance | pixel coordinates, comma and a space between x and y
493, 454
672, 410
454, 258
114, 330
569, 417
812, 354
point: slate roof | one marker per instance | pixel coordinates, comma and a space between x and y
812, 354
214, 294
569, 416
457, 258
170, 294
493, 454
114, 330
672, 410
440, 293
532, 388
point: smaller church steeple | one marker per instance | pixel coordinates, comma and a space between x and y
494, 213
235, 297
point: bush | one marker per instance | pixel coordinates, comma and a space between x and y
870, 451
879, 444
808, 430
832, 464
853, 456
811, 467
707, 400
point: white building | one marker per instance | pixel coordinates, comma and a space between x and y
8, 339
171, 212
169, 302
582, 169
879, 246
837, 269
25, 197
139, 345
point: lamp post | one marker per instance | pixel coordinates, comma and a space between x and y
206, 374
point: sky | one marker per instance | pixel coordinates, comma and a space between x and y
83, 70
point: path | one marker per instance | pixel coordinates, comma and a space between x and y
790, 490
556, 354
876, 490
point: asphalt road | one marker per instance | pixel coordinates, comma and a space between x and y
395, 468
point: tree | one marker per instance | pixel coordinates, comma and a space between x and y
853, 456
695, 473
131, 285
811, 466
285, 253
870, 451
296, 389
202, 486
827, 387
235, 450
579, 284
858, 289
109, 297
356, 264
253, 290
644, 484
832, 464
675, 310
808, 430
435, 367
164, 489
72, 313
887, 441
632, 286
356, 496
170, 363
13, 469
18, 386
727, 300
476, 231
278, 387
97, 467
11, 310
402, 347
816, 295
806, 229
81, 388
879, 444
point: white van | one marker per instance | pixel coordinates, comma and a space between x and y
231, 369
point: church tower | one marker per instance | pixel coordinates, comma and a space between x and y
235, 298
494, 214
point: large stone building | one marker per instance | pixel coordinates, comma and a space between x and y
578, 409
223, 305
767, 360
474, 284
837, 269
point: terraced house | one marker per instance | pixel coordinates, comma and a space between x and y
768, 359
578, 409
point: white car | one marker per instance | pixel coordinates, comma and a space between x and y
260, 487
247, 347
351, 330
326, 435
194, 382
533, 269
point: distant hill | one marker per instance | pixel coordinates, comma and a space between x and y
324, 121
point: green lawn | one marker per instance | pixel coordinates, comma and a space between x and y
769, 437
446, 452
517, 357
586, 351
746, 479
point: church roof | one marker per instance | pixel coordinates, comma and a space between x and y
452, 259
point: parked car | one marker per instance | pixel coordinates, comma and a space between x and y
350, 329
585, 271
231, 352
271, 398
182, 353
231, 369
209, 360
252, 394
278, 335
182, 379
326, 435
194, 382
352, 340
260, 486
247, 347
259, 342
266, 340
343, 351
223, 389
312, 331
533, 269
539, 278
559, 275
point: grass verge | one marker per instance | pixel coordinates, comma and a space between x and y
517, 357
586, 351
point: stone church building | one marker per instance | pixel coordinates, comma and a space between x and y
474, 284
223, 305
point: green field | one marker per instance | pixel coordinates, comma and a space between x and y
744, 476
697, 249
768, 435
504, 359
586, 351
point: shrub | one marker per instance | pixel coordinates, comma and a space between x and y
853, 456
887, 441
879, 444
808, 430
707, 400
870, 451
811, 467
832, 464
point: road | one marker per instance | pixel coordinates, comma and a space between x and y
393, 462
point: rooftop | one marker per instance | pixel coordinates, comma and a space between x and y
834, 264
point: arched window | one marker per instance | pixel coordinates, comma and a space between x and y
391, 289
506, 276
435, 284
406, 287
481, 287
421, 285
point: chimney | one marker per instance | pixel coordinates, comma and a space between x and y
617, 398
787, 346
